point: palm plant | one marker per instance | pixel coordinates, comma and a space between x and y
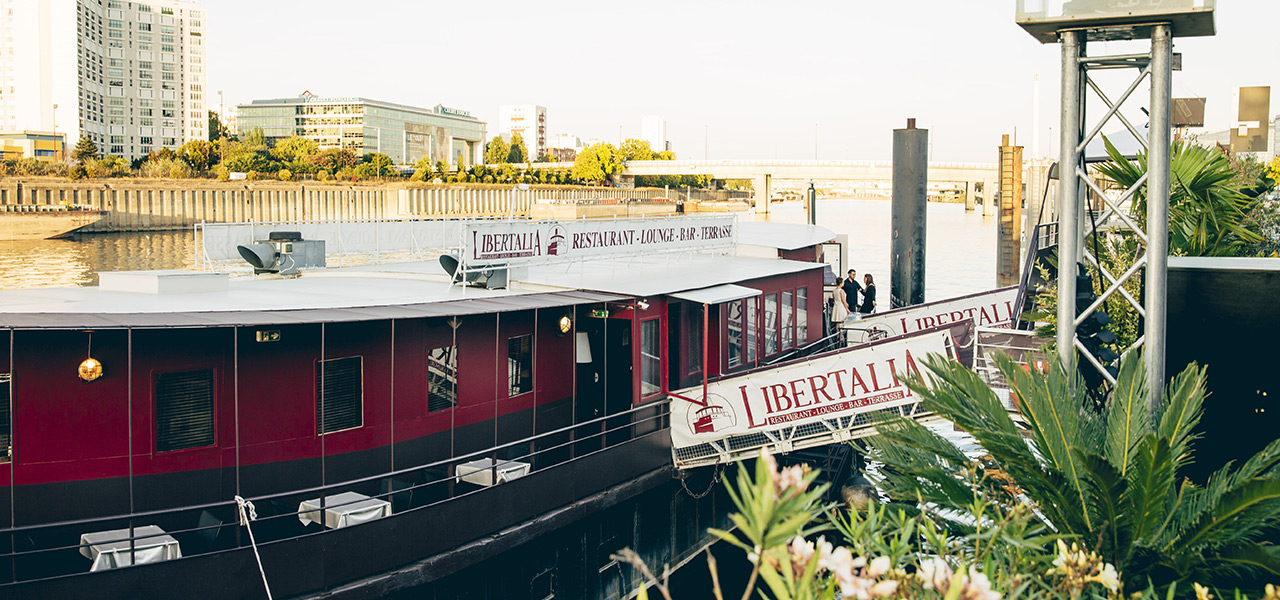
1109, 477
1207, 209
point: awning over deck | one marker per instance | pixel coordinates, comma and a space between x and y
717, 294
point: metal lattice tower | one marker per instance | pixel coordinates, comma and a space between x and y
1076, 180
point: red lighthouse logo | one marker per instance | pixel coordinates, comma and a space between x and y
715, 416
557, 245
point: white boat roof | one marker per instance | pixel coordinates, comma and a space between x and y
368, 292
334, 295
783, 236
661, 274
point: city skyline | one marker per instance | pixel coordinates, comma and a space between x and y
756, 83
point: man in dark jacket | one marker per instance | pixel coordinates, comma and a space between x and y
851, 288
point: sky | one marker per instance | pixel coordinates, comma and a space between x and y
736, 80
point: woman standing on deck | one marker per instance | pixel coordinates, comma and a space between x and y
868, 295
840, 309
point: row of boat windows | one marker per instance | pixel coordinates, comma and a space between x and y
783, 324
185, 401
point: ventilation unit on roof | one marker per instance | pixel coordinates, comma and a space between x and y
492, 277
284, 253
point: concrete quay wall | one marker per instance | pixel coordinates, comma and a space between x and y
154, 205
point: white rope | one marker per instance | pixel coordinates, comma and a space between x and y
249, 513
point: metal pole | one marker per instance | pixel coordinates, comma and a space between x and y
910, 212
1068, 193
813, 204
1158, 156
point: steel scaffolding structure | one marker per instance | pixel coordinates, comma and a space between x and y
1076, 181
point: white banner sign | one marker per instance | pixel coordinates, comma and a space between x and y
855, 381
541, 242
987, 309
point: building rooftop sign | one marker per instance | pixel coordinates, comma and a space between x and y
545, 242
1114, 19
444, 110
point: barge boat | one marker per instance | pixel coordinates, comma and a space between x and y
343, 432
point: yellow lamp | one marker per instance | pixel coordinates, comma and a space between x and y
566, 324
90, 369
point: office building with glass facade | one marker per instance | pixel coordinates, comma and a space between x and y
405, 133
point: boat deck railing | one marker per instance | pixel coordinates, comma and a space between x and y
49, 550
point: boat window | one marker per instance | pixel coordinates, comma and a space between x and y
693, 337
519, 365
650, 358
802, 316
770, 324
6, 401
442, 378
184, 410
735, 334
788, 322
752, 312
339, 394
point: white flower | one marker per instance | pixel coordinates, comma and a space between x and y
979, 587
884, 588
879, 566
1109, 577
838, 561
935, 573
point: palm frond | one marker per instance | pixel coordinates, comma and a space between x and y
1128, 419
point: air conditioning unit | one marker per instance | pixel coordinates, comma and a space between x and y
283, 252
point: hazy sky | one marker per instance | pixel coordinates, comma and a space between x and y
749, 79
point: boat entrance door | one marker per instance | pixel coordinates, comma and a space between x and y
605, 382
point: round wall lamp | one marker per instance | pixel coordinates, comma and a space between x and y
90, 369
565, 325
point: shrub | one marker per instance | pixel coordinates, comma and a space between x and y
251, 176
284, 175
222, 172
77, 172
324, 175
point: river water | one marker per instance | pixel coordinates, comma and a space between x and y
960, 257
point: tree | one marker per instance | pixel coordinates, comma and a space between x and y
380, 164
85, 150
596, 163
519, 154
1206, 207
633, 149
201, 155
294, 149
498, 151
217, 130
1111, 477
334, 159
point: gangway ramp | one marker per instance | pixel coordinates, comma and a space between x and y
831, 398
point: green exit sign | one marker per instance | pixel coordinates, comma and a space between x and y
600, 313
268, 335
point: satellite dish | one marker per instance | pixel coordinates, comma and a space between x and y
262, 257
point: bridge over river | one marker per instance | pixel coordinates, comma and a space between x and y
962, 176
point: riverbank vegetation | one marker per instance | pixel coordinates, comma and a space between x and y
298, 158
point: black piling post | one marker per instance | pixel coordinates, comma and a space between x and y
910, 176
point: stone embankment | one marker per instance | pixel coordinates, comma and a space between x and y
159, 204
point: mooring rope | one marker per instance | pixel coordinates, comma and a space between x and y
247, 514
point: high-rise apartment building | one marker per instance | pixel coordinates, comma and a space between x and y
654, 129
528, 120
129, 75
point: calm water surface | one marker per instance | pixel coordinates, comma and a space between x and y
960, 257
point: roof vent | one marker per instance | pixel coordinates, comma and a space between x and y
162, 282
